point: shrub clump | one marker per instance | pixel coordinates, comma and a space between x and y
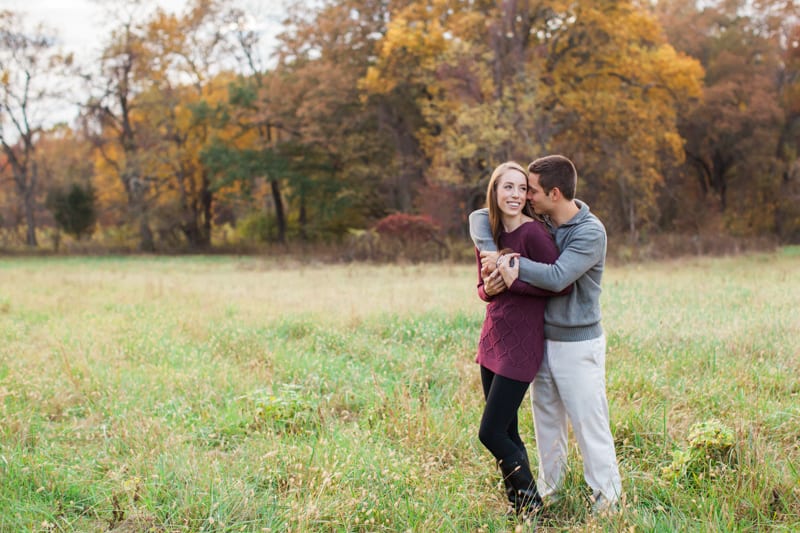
398, 236
709, 453
288, 409
73, 209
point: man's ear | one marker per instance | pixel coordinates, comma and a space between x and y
555, 194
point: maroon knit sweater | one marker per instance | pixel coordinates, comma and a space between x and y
512, 338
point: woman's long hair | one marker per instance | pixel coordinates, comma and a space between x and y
495, 219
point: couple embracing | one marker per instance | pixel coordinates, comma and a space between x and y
541, 255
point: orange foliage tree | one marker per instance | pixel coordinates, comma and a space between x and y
741, 137
150, 120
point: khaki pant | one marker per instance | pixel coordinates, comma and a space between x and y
571, 384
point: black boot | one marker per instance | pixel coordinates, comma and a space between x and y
511, 494
524, 451
517, 474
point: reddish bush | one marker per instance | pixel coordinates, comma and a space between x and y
410, 237
407, 228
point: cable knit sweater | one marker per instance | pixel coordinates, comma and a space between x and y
512, 337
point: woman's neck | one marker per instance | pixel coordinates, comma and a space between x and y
510, 223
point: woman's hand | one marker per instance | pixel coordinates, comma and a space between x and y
489, 261
493, 284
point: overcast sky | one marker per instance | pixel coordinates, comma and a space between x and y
78, 22
81, 28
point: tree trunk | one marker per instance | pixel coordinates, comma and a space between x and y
303, 216
146, 242
720, 171
139, 210
280, 217
30, 221
207, 201
191, 230
25, 188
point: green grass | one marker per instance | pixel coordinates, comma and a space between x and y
225, 394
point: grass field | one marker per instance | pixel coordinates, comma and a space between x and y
240, 394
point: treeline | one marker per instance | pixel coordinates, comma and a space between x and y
681, 116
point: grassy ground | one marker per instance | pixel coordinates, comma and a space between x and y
223, 394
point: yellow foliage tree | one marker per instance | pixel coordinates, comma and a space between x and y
614, 88
514, 80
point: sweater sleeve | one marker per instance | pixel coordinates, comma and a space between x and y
481, 290
480, 231
520, 287
583, 251
539, 247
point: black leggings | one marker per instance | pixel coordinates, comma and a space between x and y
499, 430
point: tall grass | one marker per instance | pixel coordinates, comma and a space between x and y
222, 394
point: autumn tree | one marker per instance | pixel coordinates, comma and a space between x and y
29, 67
304, 129
787, 216
612, 87
189, 52
466, 67
676, 113
736, 135
65, 157
360, 151
243, 152
595, 80
125, 143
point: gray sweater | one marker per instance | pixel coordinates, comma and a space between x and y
582, 242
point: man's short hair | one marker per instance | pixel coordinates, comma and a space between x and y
556, 171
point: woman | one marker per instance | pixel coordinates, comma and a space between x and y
511, 345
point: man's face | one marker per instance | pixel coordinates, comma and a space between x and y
540, 202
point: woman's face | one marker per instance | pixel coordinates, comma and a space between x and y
512, 188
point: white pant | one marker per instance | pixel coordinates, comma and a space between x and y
571, 383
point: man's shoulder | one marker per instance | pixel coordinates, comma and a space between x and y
587, 224
587, 233
591, 223
587, 217
586, 220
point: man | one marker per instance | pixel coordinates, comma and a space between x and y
571, 381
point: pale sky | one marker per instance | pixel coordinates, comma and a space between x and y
81, 28
78, 22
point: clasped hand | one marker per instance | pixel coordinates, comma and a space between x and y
499, 271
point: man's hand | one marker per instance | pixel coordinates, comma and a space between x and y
489, 261
493, 283
508, 266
